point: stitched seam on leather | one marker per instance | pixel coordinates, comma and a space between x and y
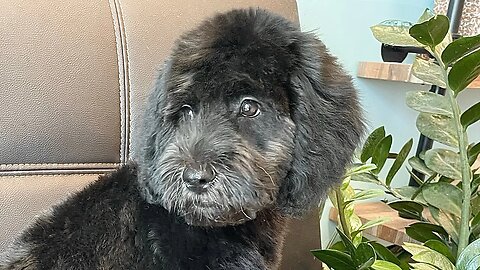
56, 164
122, 77
127, 92
58, 171
50, 175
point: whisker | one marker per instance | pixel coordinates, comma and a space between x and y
265, 171
245, 214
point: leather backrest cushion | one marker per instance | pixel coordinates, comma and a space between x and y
59, 84
74, 74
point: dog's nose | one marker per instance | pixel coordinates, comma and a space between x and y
197, 177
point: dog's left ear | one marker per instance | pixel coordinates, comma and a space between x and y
329, 124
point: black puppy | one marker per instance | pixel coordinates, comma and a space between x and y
250, 122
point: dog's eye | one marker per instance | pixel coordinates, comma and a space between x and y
187, 111
249, 108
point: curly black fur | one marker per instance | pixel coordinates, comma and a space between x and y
266, 166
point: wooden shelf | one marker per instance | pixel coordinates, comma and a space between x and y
394, 72
392, 232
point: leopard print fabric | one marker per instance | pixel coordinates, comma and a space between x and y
470, 24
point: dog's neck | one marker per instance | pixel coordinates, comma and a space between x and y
191, 247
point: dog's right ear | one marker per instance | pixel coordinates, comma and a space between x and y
328, 118
154, 131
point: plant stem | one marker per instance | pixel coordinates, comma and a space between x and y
466, 176
422, 185
389, 189
341, 212
465, 166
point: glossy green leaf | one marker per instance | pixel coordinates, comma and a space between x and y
394, 32
365, 255
408, 209
475, 205
349, 247
380, 154
423, 232
385, 254
433, 257
445, 179
424, 254
448, 221
338, 246
471, 115
464, 71
475, 224
475, 182
334, 259
440, 128
407, 192
404, 258
419, 166
351, 219
371, 143
420, 236
332, 196
444, 162
431, 32
429, 102
399, 160
426, 15
423, 266
366, 177
357, 239
428, 233
360, 169
444, 196
470, 257
367, 194
444, 44
385, 265
473, 153
459, 48
440, 247
431, 227
422, 155
428, 71
353, 222
370, 224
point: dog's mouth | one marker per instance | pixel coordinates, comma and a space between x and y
231, 218
206, 209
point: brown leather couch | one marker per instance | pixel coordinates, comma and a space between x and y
73, 80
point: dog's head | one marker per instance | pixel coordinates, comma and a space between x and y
248, 113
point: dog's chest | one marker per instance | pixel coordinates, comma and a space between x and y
176, 245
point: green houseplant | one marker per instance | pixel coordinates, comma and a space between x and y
446, 204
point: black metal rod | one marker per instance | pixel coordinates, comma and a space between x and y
454, 13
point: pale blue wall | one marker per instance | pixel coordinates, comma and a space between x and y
343, 25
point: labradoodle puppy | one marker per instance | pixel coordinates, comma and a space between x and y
248, 125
